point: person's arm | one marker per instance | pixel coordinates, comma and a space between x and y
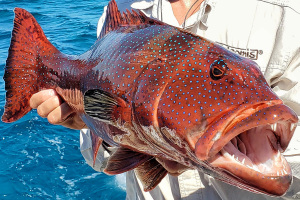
283, 75
283, 71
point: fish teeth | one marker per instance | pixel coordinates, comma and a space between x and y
225, 153
243, 161
254, 167
236, 158
274, 127
249, 166
293, 126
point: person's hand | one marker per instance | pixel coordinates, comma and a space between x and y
51, 106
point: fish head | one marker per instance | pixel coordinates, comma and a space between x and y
222, 106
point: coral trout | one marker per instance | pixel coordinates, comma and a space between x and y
167, 99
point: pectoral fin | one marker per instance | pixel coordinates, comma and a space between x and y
106, 107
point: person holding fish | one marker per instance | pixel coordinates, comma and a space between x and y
262, 31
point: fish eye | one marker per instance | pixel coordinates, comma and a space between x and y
218, 69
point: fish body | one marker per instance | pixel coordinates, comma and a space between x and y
167, 99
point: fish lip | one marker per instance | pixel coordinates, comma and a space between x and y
212, 141
216, 142
279, 184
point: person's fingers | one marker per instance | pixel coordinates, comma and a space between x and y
51, 106
46, 107
59, 114
39, 97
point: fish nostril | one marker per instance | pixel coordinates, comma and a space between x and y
246, 100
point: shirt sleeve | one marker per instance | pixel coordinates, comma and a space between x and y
86, 149
283, 71
284, 66
283, 75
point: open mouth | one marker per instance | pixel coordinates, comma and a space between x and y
255, 157
250, 152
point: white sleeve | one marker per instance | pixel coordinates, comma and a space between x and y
283, 75
283, 71
87, 151
287, 86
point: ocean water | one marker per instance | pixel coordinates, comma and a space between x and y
39, 160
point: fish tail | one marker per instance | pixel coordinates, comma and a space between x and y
25, 71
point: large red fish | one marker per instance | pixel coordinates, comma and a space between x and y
167, 99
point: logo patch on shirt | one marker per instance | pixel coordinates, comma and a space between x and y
247, 53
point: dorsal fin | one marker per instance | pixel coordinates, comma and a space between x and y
114, 19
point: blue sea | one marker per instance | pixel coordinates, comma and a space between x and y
39, 160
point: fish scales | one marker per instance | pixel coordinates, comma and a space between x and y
166, 99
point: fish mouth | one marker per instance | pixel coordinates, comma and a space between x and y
248, 151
